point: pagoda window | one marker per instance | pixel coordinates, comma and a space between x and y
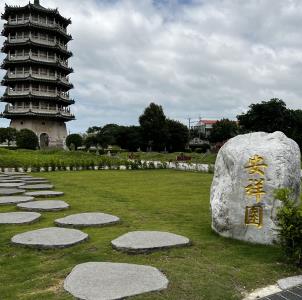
26, 70
42, 20
51, 38
52, 73
43, 54
26, 52
34, 52
35, 87
43, 71
13, 18
43, 88
20, 18
35, 35
19, 35
26, 35
51, 89
26, 87
35, 18
19, 71
26, 17
12, 53
12, 71
43, 36
12, 36
35, 70
43, 105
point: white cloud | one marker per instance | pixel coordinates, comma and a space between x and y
209, 58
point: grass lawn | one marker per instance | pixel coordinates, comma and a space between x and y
214, 268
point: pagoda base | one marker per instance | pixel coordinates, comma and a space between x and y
50, 133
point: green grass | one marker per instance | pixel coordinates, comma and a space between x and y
214, 268
30, 158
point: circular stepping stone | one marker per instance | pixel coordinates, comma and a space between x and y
33, 178
48, 238
35, 181
14, 173
11, 184
11, 180
87, 219
44, 205
37, 187
11, 191
19, 217
4, 200
109, 281
144, 241
44, 194
23, 176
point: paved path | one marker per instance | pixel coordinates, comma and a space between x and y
294, 293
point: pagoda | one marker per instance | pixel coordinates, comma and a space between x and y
36, 64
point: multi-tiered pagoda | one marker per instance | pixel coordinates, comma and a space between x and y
37, 68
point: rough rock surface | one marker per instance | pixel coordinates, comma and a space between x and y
4, 200
87, 219
240, 183
19, 217
44, 205
144, 241
48, 238
44, 194
109, 281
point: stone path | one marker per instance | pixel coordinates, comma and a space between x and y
37, 186
4, 200
49, 238
92, 280
44, 194
87, 219
19, 217
144, 241
44, 205
105, 281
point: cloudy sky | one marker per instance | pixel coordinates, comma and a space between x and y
197, 58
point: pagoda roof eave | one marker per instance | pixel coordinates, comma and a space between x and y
14, 115
9, 98
34, 7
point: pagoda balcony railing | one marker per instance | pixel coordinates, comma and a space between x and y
39, 41
31, 20
37, 76
37, 93
34, 109
37, 58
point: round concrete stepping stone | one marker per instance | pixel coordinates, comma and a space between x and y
14, 173
33, 178
44, 194
19, 217
35, 181
48, 238
144, 241
8, 180
11, 184
109, 281
4, 200
14, 191
44, 205
37, 187
87, 219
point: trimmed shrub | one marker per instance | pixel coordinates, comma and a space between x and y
27, 139
289, 218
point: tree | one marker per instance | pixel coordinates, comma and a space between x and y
267, 116
129, 137
8, 135
178, 135
11, 135
74, 139
153, 126
108, 135
94, 130
27, 139
223, 130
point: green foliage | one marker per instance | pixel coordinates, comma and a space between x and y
27, 139
203, 148
74, 139
223, 130
153, 125
177, 135
289, 218
8, 135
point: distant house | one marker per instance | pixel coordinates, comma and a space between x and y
205, 126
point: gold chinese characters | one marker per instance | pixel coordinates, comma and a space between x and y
255, 167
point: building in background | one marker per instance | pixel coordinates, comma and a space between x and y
205, 126
37, 72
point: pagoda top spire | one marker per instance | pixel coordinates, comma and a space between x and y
37, 2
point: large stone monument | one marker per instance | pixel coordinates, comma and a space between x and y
248, 169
